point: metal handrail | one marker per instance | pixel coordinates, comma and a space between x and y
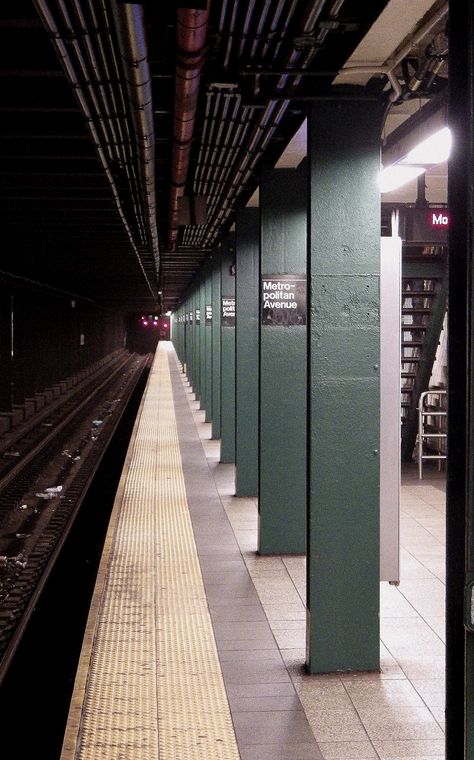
422, 435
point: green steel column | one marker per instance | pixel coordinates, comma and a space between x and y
343, 381
228, 353
197, 345
202, 340
182, 343
246, 351
175, 332
174, 328
192, 342
180, 332
460, 484
186, 338
216, 344
207, 317
282, 414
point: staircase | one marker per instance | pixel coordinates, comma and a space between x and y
423, 308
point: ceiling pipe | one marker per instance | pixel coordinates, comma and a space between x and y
191, 33
108, 63
86, 38
82, 35
82, 91
269, 119
274, 28
134, 53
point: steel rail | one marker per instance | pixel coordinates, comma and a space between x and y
29, 456
45, 571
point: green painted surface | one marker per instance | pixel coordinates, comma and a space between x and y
197, 347
186, 337
178, 334
246, 348
343, 377
282, 418
208, 345
216, 345
182, 333
428, 268
202, 342
190, 338
227, 361
175, 333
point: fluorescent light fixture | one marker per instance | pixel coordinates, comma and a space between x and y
393, 177
168, 314
434, 150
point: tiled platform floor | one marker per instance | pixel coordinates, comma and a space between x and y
393, 715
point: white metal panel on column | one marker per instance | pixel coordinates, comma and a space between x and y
390, 340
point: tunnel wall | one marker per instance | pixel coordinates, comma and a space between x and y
46, 336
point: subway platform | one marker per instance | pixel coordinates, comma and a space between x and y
195, 645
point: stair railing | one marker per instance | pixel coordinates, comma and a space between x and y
425, 411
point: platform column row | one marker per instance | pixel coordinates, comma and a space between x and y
247, 351
294, 350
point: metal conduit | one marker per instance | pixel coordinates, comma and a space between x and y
260, 27
236, 138
102, 28
216, 144
227, 182
134, 52
238, 141
204, 141
191, 36
268, 122
101, 101
274, 26
120, 146
248, 18
230, 37
227, 150
208, 133
83, 90
93, 78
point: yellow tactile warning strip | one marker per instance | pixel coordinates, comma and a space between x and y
154, 687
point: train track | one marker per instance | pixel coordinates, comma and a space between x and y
45, 471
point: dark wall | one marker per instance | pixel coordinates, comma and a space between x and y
45, 336
144, 331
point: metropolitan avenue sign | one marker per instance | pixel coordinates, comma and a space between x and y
283, 300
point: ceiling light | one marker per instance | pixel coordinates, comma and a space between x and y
434, 150
393, 177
